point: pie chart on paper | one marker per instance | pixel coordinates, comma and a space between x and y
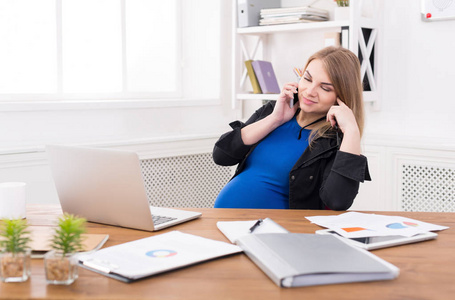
395, 226
161, 253
410, 224
353, 229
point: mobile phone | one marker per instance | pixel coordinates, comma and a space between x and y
295, 100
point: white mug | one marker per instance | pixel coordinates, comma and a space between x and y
12, 200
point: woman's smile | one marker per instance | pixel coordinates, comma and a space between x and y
308, 101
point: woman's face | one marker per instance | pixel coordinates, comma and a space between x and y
316, 92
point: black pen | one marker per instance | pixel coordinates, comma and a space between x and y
256, 225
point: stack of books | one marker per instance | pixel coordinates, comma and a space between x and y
262, 77
287, 15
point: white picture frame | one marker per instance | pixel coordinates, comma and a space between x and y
437, 10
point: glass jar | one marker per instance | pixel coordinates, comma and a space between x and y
15, 267
59, 268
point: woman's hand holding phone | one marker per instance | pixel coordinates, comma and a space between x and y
282, 113
283, 110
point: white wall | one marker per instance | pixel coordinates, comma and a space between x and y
23, 130
418, 76
415, 121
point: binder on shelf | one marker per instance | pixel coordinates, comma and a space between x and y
253, 78
299, 259
266, 77
345, 37
248, 11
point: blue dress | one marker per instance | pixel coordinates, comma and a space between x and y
264, 183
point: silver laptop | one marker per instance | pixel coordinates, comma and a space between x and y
106, 186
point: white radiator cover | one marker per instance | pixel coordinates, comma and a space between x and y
184, 181
411, 175
408, 174
426, 187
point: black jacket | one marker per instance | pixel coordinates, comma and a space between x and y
323, 177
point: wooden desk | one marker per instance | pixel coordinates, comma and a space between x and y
427, 269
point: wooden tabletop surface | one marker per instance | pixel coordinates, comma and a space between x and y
427, 269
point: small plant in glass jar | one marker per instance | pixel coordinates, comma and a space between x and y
342, 10
342, 3
61, 262
15, 255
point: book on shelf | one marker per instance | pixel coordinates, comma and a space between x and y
299, 259
252, 76
266, 76
287, 20
289, 15
294, 10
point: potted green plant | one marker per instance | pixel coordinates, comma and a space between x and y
60, 263
15, 255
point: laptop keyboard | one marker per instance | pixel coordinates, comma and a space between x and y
157, 220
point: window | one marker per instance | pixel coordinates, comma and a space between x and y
109, 49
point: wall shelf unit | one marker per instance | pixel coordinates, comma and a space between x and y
291, 27
253, 43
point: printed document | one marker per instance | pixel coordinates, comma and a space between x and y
357, 225
155, 255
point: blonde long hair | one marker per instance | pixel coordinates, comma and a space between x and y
343, 68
